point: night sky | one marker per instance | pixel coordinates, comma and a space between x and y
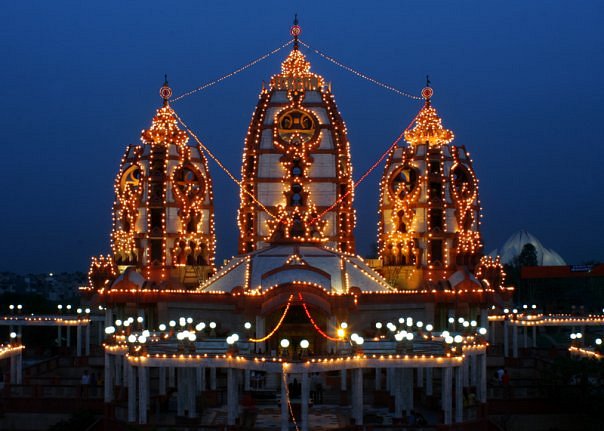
519, 82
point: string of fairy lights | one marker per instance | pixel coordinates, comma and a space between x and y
233, 73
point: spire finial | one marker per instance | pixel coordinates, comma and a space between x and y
165, 91
295, 31
427, 91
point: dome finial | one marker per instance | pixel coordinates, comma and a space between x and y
165, 91
295, 31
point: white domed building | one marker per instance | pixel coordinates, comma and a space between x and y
512, 248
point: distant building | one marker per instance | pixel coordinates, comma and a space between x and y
513, 247
563, 288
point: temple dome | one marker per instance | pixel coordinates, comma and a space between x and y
287, 264
513, 247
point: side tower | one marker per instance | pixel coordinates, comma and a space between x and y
163, 215
296, 173
429, 207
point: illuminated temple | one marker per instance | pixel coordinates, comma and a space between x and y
296, 304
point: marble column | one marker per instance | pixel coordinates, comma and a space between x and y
396, 386
131, 393
429, 387
357, 396
181, 391
466, 371
247, 377
459, 394
304, 399
162, 381
481, 385
446, 396
407, 389
232, 397
68, 335
343, 380
143, 394
473, 366
534, 337
191, 393
420, 377
171, 377
515, 341
506, 342
87, 340
213, 378
109, 373
78, 340
525, 341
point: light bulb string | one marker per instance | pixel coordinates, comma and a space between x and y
222, 166
366, 174
277, 326
233, 73
360, 74
289, 404
313, 323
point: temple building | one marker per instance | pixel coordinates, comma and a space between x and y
297, 302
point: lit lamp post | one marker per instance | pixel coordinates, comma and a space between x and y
304, 344
212, 329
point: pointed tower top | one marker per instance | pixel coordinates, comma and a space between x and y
428, 125
165, 91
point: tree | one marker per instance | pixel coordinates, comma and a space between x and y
528, 256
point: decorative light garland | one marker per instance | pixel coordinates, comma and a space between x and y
277, 326
360, 74
235, 72
313, 323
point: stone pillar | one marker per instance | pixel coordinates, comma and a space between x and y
534, 337
284, 405
506, 342
213, 378
446, 398
68, 333
181, 392
473, 366
247, 377
171, 377
87, 345
143, 394
378, 378
59, 342
407, 389
429, 390
100, 333
191, 393
162, 381
232, 401
396, 386
108, 317
202, 381
109, 372
390, 378
125, 368
357, 395
260, 332
131, 393
525, 341
484, 319
19, 377
304, 399
420, 377
78, 340
459, 394
515, 341
343, 380
14, 363
481, 385
466, 370
492, 334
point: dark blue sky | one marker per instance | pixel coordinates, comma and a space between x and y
519, 82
